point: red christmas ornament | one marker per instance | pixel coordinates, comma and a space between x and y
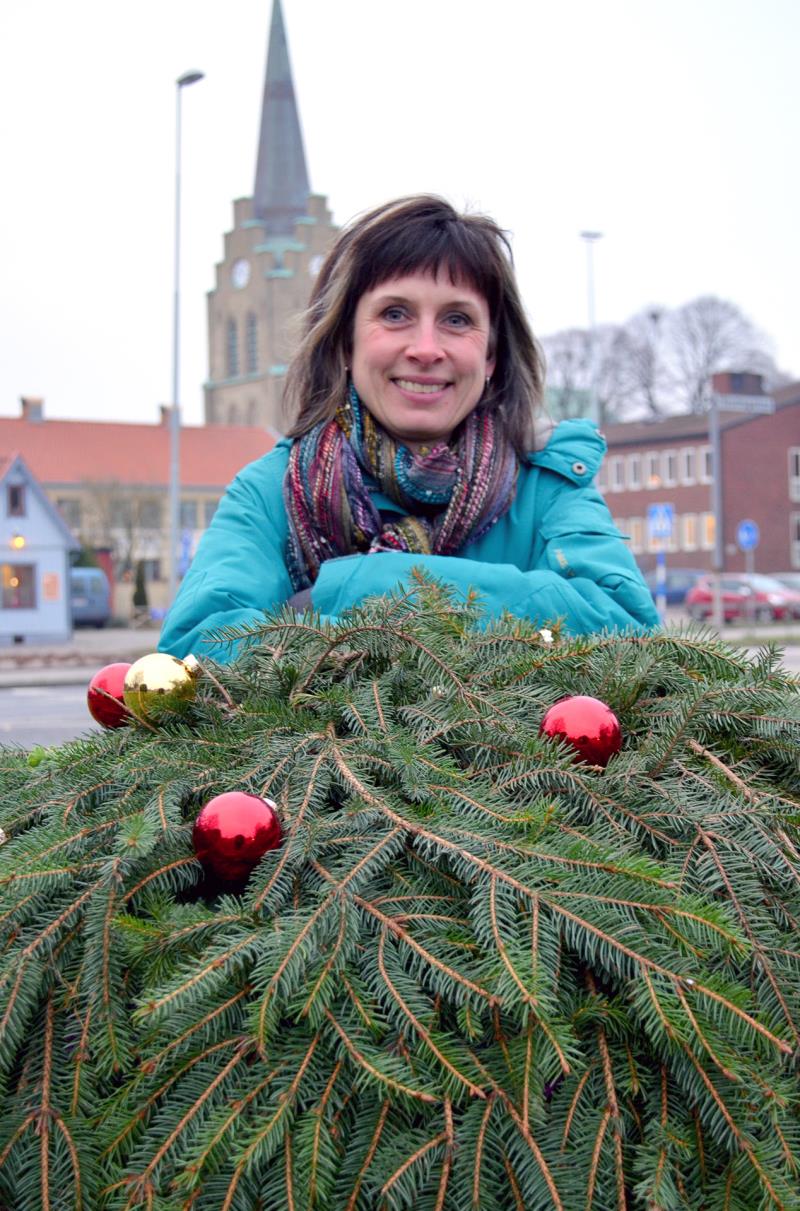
233, 831
588, 725
108, 681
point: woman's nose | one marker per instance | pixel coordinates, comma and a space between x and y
425, 343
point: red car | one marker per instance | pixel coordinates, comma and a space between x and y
747, 598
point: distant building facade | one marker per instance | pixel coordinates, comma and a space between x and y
277, 244
36, 545
670, 462
109, 482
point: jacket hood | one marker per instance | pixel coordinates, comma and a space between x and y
574, 449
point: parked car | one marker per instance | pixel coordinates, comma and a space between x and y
744, 598
791, 580
90, 595
678, 582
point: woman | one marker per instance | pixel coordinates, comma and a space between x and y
417, 389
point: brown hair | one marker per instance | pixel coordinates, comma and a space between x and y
421, 234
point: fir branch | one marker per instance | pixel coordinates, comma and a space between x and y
370, 1156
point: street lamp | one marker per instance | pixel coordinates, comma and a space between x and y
189, 77
590, 238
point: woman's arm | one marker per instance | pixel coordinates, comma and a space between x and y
542, 595
239, 570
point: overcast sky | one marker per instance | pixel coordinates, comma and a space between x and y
669, 125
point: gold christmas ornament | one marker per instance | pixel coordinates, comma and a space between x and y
159, 684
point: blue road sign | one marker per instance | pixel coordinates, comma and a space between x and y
747, 535
660, 520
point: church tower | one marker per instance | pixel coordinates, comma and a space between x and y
277, 244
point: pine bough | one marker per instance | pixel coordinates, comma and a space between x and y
476, 974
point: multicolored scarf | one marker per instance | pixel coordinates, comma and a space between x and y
452, 494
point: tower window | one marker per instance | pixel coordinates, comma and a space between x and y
232, 349
251, 343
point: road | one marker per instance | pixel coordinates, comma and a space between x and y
43, 714
51, 714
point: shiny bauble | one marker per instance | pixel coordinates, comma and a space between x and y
160, 685
233, 832
588, 725
104, 696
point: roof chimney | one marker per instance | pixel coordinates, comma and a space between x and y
32, 408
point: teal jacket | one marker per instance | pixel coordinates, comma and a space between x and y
556, 554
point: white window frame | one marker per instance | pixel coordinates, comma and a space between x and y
636, 530
689, 531
794, 540
705, 470
794, 473
616, 473
669, 480
634, 472
707, 531
687, 465
652, 470
601, 479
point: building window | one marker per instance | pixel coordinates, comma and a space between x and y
636, 531
794, 473
152, 569
232, 349
601, 479
707, 531
634, 471
150, 514
188, 515
706, 464
794, 543
616, 473
19, 586
70, 509
251, 343
120, 514
669, 468
688, 524
652, 469
233, 415
209, 509
15, 500
688, 462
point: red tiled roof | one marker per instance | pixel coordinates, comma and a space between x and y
71, 452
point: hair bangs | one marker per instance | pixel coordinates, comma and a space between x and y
436, 246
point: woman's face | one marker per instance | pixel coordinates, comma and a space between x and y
421, 355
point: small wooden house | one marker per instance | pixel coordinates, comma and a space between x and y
35, 546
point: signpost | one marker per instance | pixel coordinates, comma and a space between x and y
660, 521
756, 404
747, 538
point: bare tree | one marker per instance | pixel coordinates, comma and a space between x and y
706, 336
659, 362
126, 521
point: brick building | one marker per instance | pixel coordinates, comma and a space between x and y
110, 483
669, 462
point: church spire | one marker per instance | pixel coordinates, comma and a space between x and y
281, 190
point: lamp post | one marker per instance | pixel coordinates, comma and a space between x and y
189, 77
590, 238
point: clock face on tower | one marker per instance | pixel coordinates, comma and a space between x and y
240, 273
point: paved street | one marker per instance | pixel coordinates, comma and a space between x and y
51, 714
43, 714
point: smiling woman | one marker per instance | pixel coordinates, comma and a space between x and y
418, 441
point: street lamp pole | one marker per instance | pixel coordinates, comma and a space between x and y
590, 238
189, 77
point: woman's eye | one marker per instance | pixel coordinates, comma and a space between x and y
394, 314
457, 319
